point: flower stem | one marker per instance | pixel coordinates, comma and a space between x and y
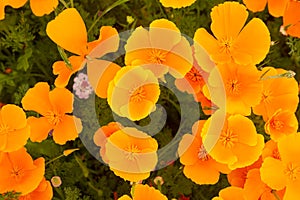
276, 195
54, 159
64, 3
117, 3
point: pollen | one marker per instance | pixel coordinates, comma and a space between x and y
54, 117
194, 75
233, 86
202, 154
292, 171
226, 45
131, 152
157, 56
228, 138
137, 94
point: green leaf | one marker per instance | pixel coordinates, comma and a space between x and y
22, 63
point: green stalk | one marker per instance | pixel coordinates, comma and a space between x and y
275, 194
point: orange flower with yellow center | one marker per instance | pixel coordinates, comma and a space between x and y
284, 173
231, 193
68, 31
199, 166
19, 173
144, 192
133, 92
14, 130
162, 49
278, 93
233, 41
53, 109
276, 8
131, 154
281, 123
42, 192
176, 3
238, 145
241, 85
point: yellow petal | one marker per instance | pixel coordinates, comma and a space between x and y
40, 8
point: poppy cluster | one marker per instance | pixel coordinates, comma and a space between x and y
218, 67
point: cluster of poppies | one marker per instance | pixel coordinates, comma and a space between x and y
220, 72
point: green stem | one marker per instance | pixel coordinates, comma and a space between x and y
64, 3
173, 104
72, 3
59, 192
54, 159
275, 194
117, 3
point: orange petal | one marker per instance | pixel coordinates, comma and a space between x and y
37, 99
43, 192
254, 41
40, 8
188, 149
67, 130
254, 187
291, 19
176, 4
277, 8
64, 72
180, 59
39, 128
17, 139
225, 23
2, 10
100, 73
255, 6
288, 147
232, 193
208, 42
62, 105
13, 116
292, 190
247, 155
163, 34
125, 197
272, 173
108, 42
202, 172
68, 31
137, 110
15, 3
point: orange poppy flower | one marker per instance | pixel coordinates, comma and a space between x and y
231, 193
291, 19
281, 123
12, 3
238, 145
238, 176
144, 192
68, 31
199, 166
133, 92
14, 130
276, 8
256, 189
271, 150
161, 49
19, 173
42, 192
233, 41
241, 85
279, 92
284, 173
53, 109
176, 4
131, 154
101, 135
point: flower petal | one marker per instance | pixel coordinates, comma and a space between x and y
62, 105
277, 8
39, 128
255, 6
67, 130
40, 8
68, 31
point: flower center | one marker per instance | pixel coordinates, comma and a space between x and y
16, 173
233, 86
131, 152
4, 129
202, 154
292, 171
226, 45
277, 124
265, 97
194, 75
137, 94
157, 56
54, 117
275, 154
228, 138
